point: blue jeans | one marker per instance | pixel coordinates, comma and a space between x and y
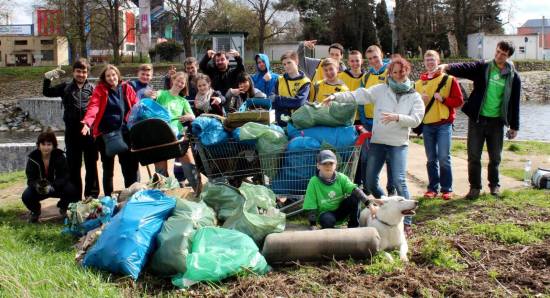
367, 123
378, 153
437, 142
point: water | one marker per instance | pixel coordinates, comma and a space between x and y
534, 125
534, 122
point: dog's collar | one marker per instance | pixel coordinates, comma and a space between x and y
385, 223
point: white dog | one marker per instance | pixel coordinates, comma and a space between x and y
389, 223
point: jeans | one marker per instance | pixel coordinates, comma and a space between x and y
363, 157
349, 208
76, 145
128, 164
378, 154
490, 130
32, 199
437, 142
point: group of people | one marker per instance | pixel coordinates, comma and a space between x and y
389, 106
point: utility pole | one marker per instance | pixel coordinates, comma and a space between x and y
543, 53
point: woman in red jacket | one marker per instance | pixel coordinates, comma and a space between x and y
108, 111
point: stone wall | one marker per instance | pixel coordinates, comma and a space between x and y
14, 156
47, 111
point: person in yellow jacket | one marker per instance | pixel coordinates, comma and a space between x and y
329, 85
445, 94
291, 89
312, 66
377, 73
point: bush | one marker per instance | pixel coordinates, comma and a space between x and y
167, 50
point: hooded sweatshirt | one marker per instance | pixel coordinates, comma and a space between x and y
266, 87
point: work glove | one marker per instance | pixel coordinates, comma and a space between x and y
43, 187
54, 74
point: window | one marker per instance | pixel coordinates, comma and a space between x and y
46, 42
223, 44
0, 56
20, 42
522, 50
47, 55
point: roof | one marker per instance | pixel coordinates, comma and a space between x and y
536, 23
228, 33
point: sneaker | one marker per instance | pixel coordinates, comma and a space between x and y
447, 196
495, 191
430, 194
33, 217
473, 194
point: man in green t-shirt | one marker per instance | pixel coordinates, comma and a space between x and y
492, 106
332, 197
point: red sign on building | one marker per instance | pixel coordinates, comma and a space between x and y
130, 27
48, 22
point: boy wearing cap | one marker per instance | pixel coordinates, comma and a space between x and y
331, 196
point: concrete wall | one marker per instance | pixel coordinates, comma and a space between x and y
47, 111
14, 156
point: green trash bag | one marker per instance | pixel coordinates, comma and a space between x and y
258, 217
314, 114
218, 253
174, 238
271, 141
224, 199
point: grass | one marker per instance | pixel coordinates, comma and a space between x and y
528, 147
9, 179
513, 173
37, 261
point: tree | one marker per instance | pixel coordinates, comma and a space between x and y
6, 11
76, 20
187, 14
230, 15
265, 11
383, 27
106, 25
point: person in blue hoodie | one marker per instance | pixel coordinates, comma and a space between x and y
264, 79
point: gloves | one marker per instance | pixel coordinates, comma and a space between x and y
43, 187
54, 74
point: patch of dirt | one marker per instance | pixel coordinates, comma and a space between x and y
11, 90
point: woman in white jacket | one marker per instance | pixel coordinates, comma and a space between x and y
397, 109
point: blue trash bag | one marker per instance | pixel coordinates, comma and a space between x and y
255, 102
338, 137
147, 109
209, 130
102, 216
125, 243
299, 165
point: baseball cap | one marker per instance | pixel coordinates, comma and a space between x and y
326, 156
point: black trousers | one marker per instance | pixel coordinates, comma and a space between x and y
128, 164
67, 194
491, 131
76, 146
349, 208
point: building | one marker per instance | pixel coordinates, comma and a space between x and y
22, 45
482, 45
542, 27
275, 49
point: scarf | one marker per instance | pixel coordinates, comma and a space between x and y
202, 102
399, 88
380, 71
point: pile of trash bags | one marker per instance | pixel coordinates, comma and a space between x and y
212, 237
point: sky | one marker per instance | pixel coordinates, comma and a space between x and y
515, 12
